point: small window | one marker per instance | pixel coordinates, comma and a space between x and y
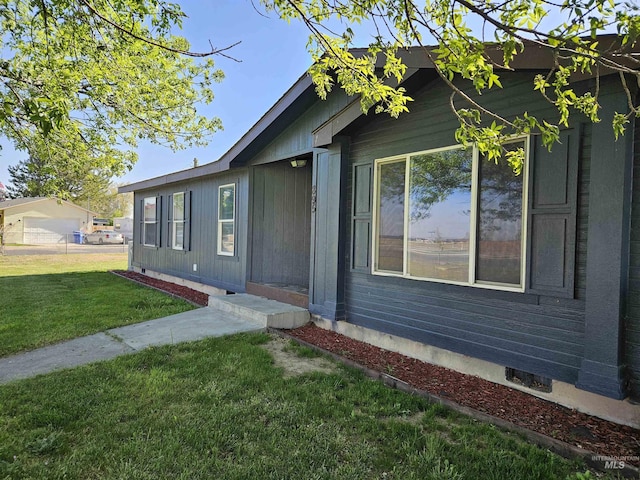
150, 225
226, 220
450, 215
178, 222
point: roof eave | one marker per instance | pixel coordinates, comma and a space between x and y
42, 199
303, 84
535, 57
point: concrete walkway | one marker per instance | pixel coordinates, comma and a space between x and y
222, 317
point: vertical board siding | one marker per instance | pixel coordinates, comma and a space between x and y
281, 224
219, 271
632, 323
298, 137
584, 179
531, 332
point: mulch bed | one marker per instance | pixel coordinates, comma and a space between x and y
187, 293
524, 410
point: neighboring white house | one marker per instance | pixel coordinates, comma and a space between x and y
124, 225
42, 220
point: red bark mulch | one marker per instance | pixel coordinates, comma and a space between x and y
584, 431
187, 293
550, 419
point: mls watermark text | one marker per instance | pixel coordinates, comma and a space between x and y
615, 462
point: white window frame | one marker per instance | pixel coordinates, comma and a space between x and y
149, 222
174, 222
472, 281
223, 221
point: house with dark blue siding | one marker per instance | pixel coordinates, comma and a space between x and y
389, 231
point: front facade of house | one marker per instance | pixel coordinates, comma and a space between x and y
42, 220
392, 228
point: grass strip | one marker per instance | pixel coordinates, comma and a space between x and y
220, 408
48, 299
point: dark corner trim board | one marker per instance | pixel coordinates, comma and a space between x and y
606, 380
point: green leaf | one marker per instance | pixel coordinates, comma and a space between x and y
464, 59
85, 82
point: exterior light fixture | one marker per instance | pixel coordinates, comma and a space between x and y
298, 162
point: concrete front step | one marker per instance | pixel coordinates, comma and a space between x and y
267, 312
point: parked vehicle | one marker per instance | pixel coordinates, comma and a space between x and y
103, 236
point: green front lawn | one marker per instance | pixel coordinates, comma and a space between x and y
49, 298
220, 409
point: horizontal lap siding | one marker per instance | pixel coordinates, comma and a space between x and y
542, 335
632, 330
220, 271
542, 339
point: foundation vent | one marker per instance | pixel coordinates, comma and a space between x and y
529, 380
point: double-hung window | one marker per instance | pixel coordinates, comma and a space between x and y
226, 220
150, 222
177, 221
450, 215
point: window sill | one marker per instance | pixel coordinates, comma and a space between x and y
485, 286
227, 258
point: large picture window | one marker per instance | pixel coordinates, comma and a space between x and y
150, 223
450, 215
226, 220
177, 221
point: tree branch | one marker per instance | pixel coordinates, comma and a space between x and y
150, 41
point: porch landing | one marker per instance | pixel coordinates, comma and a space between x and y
269, 313
282, 292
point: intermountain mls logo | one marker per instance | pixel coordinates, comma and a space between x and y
614, 463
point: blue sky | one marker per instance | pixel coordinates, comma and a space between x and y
273, 56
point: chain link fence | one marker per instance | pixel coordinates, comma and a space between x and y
70, 243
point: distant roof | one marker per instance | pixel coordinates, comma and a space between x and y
19, 201
23, 201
